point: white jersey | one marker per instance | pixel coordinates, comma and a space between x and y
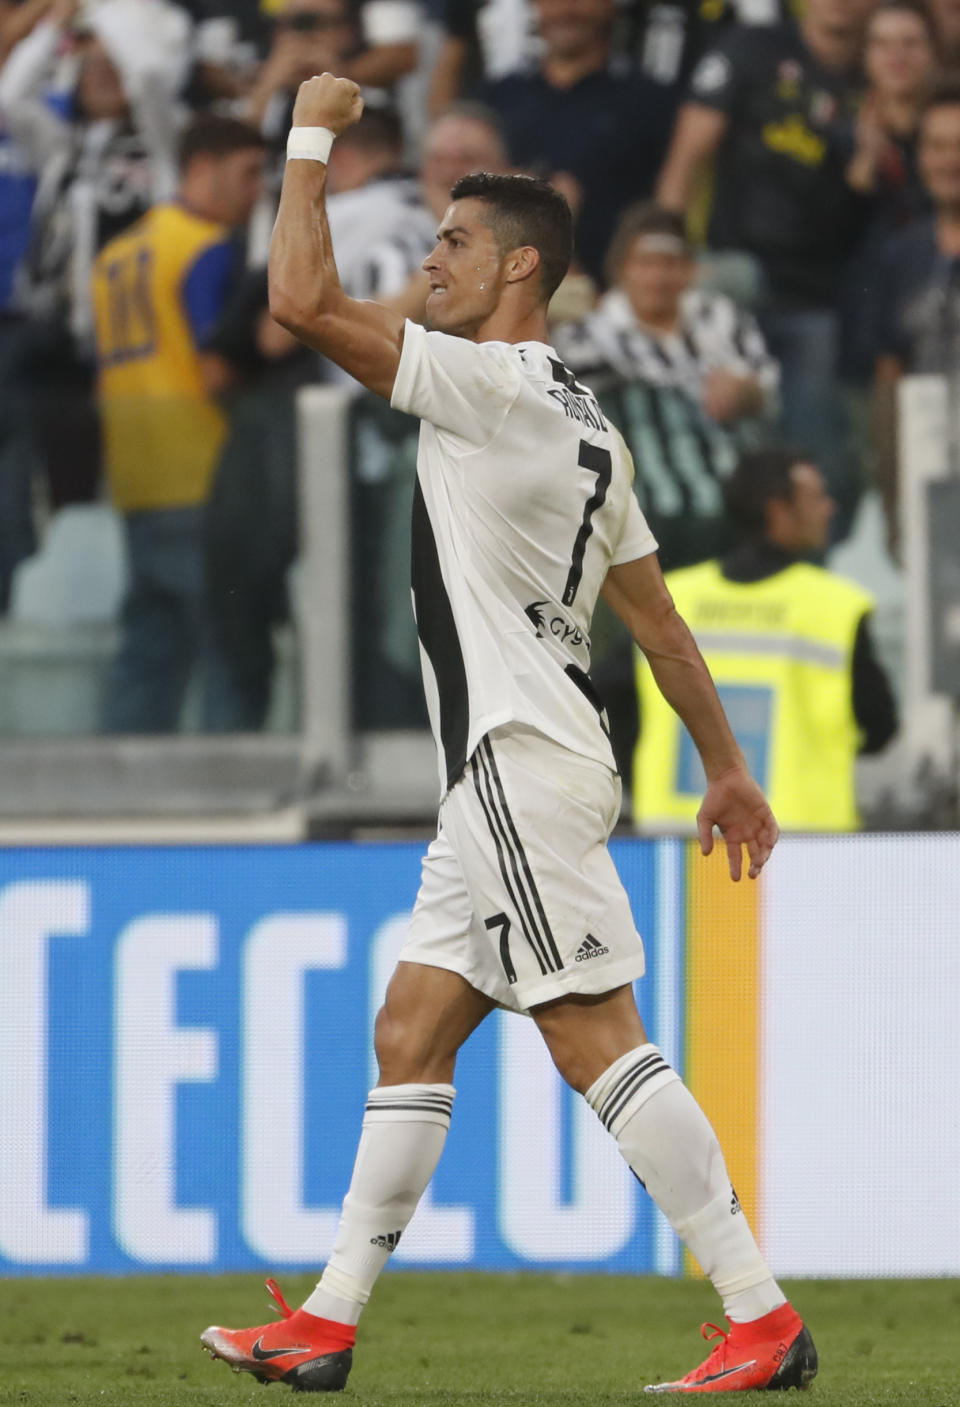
523, 501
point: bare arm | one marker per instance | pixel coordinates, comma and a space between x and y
733, 801
16, 22
696, 137
41, 132
447, 75
305, 293
381, 65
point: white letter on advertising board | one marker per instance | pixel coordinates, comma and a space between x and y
31, 913
153, 1055
278, 953
536, 1222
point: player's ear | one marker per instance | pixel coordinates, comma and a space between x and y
522, 263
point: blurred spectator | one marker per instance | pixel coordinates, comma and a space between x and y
918, 325
684, 374
159, 290
374, 42
482, 40
487, 39
586, 118
775, 106
250, 528
112, 153
102, 146
308, 37
900, 62
789, 647
686, 377
372, 197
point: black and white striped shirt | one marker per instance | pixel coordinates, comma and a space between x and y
651, 385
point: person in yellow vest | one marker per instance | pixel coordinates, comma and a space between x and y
158, 291
788, 644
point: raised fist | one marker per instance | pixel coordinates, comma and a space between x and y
327, 101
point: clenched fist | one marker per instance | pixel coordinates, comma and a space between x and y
327, 101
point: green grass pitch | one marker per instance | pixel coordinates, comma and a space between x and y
441, 1340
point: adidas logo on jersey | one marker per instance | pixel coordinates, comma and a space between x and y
734, 1202
591, 948
389, 1242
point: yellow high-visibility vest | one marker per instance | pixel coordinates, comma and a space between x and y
162, 430
780, 651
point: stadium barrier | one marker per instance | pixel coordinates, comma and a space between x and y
185, 1049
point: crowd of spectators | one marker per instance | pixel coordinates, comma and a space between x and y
768, 233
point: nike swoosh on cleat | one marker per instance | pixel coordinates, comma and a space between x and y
728, 1372
714, 1378
262, 1354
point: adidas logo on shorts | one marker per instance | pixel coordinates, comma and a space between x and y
389, 1242
590, 948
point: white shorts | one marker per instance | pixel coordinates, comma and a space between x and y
518, 892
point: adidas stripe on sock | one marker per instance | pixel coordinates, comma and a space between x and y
404, 1130
627, 1084
669, 1144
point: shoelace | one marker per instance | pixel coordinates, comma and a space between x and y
717, 1332
716, 1358
277, 1296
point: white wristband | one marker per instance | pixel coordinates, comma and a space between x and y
309, 144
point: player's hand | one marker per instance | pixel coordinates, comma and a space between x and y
736, 805
327, 101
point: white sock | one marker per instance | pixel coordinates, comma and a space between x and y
404, 1129
669, 1144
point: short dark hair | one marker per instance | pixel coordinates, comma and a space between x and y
525, 210
760, 476
211, 134
647, 217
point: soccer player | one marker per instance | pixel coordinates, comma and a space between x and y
523, 513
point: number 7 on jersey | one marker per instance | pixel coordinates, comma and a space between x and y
599, 462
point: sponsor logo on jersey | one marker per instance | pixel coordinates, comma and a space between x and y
535, 616
561, 629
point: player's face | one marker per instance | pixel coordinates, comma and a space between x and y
465, 271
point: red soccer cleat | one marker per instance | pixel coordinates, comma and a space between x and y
306, 1353
774, 1352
